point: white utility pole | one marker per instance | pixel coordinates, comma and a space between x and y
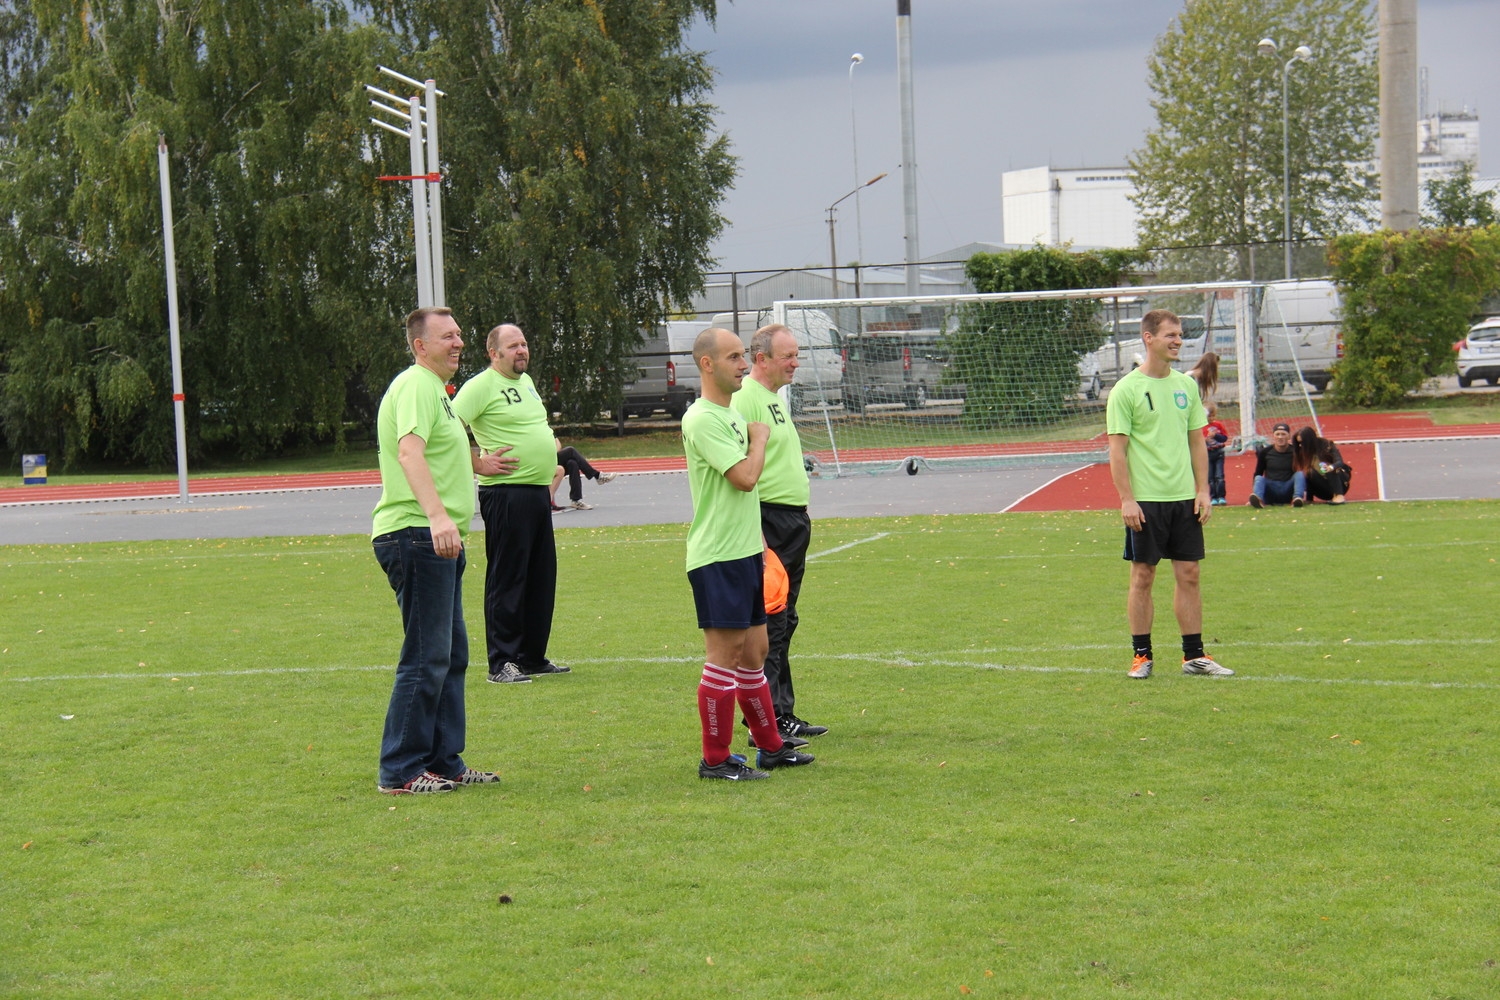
173, 322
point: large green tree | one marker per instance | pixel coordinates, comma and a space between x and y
1210, 172
584, 174
278, 245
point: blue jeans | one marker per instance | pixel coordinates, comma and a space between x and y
1281, 491
424, 725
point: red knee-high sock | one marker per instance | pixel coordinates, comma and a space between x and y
716, 712
755, 701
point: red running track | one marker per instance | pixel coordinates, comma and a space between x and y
1087, 489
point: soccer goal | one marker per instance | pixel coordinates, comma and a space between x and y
1017, 378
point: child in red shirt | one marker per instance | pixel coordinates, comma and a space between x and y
1216, 435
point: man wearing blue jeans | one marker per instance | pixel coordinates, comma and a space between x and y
1276, 480
420, 523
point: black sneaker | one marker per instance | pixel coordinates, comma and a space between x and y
790, 725
548, 667
785, 757
1256, 502
508, 673
730, 770
789, 741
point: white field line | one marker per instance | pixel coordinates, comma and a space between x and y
896, 658
1064, 475
847, 545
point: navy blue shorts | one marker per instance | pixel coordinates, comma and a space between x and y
730, 594
1170, 531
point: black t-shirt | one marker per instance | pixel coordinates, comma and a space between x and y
1274, 465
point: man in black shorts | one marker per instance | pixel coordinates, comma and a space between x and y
725, 457
1159, 464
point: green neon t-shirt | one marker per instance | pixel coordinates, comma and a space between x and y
417, 403
784, 479
726, 521
1157, 414
508, 411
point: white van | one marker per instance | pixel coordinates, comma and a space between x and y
1300, 332
819, 346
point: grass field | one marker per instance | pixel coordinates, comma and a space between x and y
190, 732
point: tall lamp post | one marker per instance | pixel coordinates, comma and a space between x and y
859, 218
1267, 47
833, 253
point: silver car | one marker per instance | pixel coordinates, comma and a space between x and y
1479, 354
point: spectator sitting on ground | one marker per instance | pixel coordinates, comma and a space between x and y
1327, 473
1277, 480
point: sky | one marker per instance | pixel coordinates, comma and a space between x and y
999, 85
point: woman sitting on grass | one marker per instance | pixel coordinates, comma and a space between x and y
1327, 473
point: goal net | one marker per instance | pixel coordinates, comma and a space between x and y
1020, 378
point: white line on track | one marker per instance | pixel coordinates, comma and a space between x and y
848, 545
1379, 473
1065, 475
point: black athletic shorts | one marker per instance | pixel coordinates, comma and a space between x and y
1170, 530
730, 594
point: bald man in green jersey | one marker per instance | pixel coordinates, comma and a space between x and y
725, 457
1159, 464
784, 522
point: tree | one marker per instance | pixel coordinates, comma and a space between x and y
1210, 172
1405, 298
260, 103
1452, 202
1019, 361
585, 177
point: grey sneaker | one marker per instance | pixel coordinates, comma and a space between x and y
473, 777
1140, 668
1205, 665
508, 673
607, 477
731, 770
423, 784
580, 505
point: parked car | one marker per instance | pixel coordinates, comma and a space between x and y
1300, 332
1479, 354
890, 368
653, 385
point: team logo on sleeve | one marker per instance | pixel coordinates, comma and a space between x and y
1180, 398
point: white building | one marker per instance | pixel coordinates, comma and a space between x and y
1087, 207
1446, 141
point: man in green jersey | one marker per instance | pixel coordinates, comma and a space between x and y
725, 458
1159, 464
784, 522
420, 523
504, 410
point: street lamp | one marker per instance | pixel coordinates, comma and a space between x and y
859, 217
1267, 47
833, 254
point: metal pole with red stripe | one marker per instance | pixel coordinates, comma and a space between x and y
173, 324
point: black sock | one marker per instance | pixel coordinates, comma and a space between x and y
1142, 645
1192, 646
